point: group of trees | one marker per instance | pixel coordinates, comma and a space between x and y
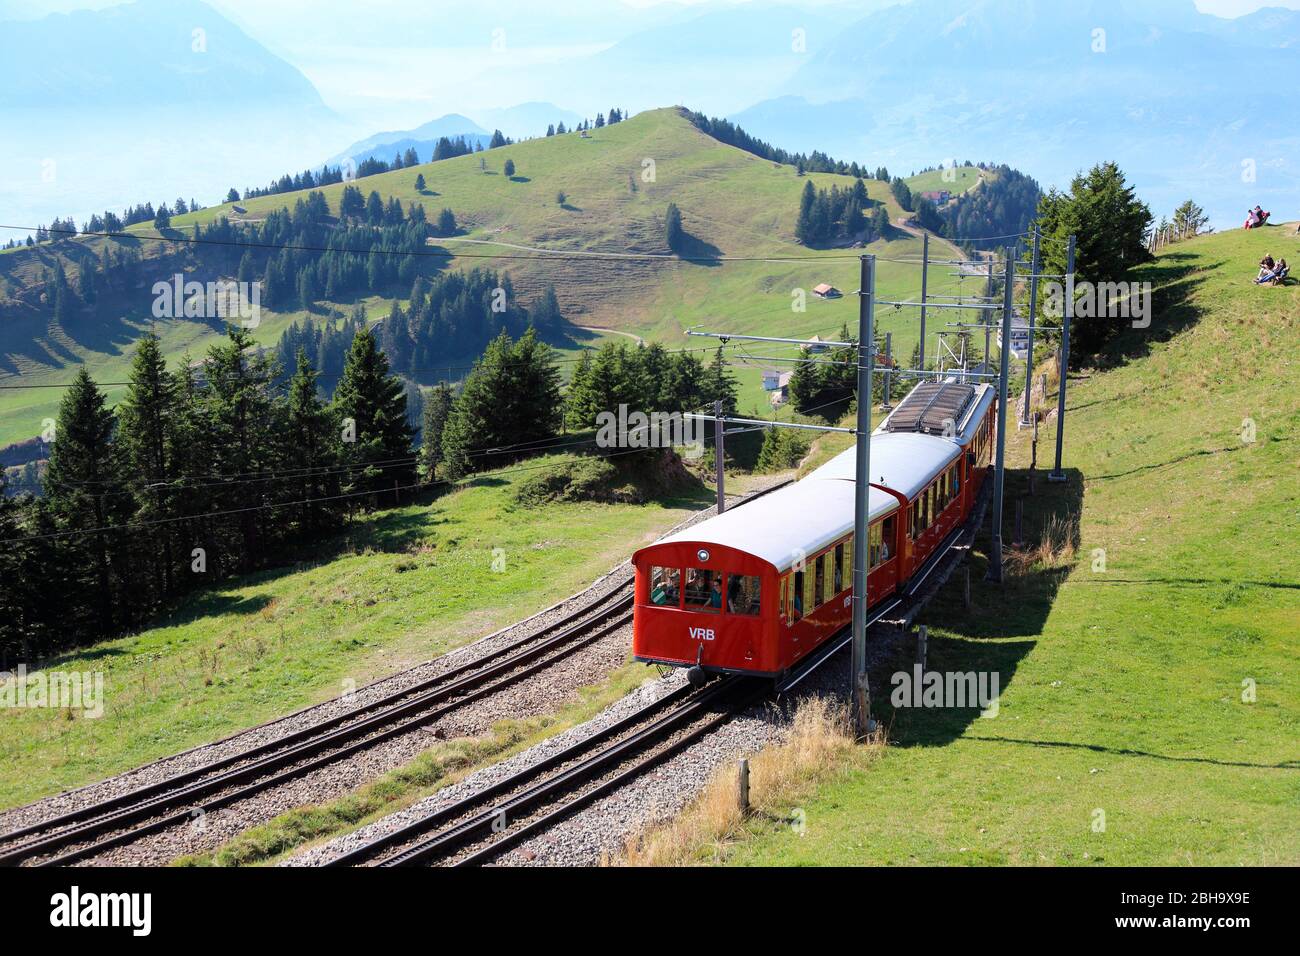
202, 471
1005, 204
728, 132
373, 247
459, 313
1110, 223
827, 216
825, 384
307, 179
645, 378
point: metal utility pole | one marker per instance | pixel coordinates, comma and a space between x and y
889, 371
1033, 311
1056, 474
988, 314
925, 269
719, 456
999, 468
862, 495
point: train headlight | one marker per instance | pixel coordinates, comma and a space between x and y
702, 554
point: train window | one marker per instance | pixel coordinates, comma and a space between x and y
785, 609
665, 586
887, 539
798, 597
839, 568
820, 593
703, 590
956, 480
806, 592
875, 540
743, 594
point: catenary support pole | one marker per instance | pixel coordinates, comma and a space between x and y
889, 371
1057, 474
925, 271
999, 467
988, 316
862, 495
1033, 321
719, 456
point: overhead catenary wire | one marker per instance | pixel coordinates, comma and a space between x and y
271, 506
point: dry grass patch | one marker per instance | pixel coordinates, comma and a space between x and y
818, 746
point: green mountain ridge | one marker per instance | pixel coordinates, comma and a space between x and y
617, 182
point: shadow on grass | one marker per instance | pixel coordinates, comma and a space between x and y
1129, 752
1174, 278
1002, 625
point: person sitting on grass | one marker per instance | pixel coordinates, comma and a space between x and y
1280, 273
1266, 267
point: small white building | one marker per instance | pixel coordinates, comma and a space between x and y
1019, 337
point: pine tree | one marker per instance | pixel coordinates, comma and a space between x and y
84, 485
719, 384
420, 184
239, 415
673, 234
436, 411
370, 405
310, 443
147, 439
510, 169
803, 229
511, 397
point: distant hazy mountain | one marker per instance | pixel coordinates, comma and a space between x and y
144, 54
422, 139
1181, 99
147, 101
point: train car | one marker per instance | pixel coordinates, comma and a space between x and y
757, 589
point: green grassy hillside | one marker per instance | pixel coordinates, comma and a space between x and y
732, 202
959, 180
1126, 733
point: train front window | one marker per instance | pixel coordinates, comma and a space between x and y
743, 595
796, 599
887, 539
703, 590
665, 586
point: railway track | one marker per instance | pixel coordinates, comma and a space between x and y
481, 826
180, 799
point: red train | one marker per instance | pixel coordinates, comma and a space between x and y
757, 589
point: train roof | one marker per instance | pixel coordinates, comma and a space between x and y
928, 407
903, 461
808, 515
799, 519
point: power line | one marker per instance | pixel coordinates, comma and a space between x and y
542, 255
271, 506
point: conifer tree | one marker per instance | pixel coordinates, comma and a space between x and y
437, 408
84, 485
370, 407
